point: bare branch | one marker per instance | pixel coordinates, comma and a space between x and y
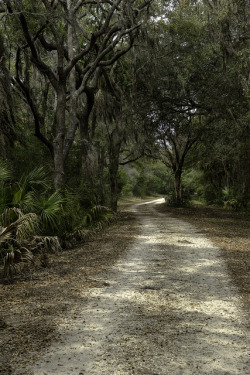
44, 68
131, 160
37, 118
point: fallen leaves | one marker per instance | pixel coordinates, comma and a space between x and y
34, 305
229, 230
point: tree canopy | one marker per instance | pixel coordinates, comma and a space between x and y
108, 94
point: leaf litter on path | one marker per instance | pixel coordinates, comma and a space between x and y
140, 299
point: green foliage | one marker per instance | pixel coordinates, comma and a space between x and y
72, 211
171, 201
34, 180
48, 209
24, 225
187, 80
140, 185
32, 209
5, 172
125, 183
96, 215
193, 183
159, 178
145, 178
5, 176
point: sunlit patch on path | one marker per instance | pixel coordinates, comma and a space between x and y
167, 307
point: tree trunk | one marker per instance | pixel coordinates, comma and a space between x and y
7, 119
73, 120
113, 172
85, 143
59, 168
89, 157
177, 186
83, 117
2, 146
58, 144
101, 185
116, 139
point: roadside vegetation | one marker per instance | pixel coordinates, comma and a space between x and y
104, 103
112, 99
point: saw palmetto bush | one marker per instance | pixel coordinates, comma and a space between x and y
22, 191
5, 172
19, 194
32, 212
20, 219
71, 213
49, 209
88, 225
96, 216
32, 194
23, 227
5, 186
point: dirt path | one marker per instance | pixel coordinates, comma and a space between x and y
166, 307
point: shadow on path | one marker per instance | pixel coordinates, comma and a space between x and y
168, 307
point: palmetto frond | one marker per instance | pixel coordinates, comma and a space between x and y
33, 180
14, 260
5, 196
37, 177
96, 215
11, 214
71, 200
49, 209
30, 201
29, 225
4, 235
98, 211
24, 227
5, 172
5, 175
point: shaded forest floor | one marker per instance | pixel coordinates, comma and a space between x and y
230, 231
36, 302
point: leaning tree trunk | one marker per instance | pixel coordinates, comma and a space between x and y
116, 140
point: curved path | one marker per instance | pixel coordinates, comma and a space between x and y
167, 307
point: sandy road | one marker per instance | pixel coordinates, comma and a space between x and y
167, 307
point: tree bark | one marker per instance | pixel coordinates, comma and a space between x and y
58, 144
59, 61
115, 139
177, 185
2, 146
101, 185
73, 121
83, 117
7, 119
113, 172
